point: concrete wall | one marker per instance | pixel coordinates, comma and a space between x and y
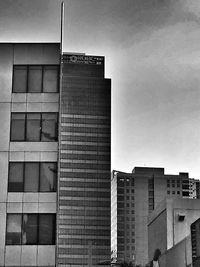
171, 235
157, 238
177, 256
24, 151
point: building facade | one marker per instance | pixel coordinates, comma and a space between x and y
84, 183
133, 197
173, 228
54, 200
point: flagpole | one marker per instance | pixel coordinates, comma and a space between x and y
62, 17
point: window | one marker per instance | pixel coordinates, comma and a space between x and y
35, 78
32, 177
30, 229
34, 127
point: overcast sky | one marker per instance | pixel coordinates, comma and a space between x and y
152, 50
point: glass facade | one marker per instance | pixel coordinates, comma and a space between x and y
84, 183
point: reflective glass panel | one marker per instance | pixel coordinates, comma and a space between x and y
50, 79
35, 79
19, 79
31, 177
15, 182
13, 231
48, 176
29, 229
18, 127
49, 127
46, 229
33, 127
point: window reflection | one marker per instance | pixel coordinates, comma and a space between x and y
48, 176
34, 127
13, 234
30, 229
32, 177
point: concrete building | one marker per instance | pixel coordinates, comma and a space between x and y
194, 187
169, 230
133, 197
54, 199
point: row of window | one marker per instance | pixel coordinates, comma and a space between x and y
32, 177
35, 78
30, 229
34, 127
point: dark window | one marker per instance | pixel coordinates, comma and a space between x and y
18, 127
35, 78
46, 226
185, 194
15, 183
31, 181
50, 79
48, 175
34, 127
32, 177
30, 229
49, 127
13, 232
20, 79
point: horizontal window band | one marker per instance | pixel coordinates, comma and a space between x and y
88, 217
73, 194
85, 143
95, 189
85, 134
85, 125
84, 208
63, 115
85, 161
85, 180
85, 130
80, 199
86, 157
84, 171
83, 227
84, 236
92, 166
66, 151
85, 203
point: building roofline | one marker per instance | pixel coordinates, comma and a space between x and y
29, 43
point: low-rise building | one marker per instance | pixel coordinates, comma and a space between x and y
169, 230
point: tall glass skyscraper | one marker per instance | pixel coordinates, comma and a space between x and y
84, 184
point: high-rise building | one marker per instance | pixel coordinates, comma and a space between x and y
55, 157
84, 183
133, 197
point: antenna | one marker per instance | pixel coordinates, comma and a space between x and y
62, 21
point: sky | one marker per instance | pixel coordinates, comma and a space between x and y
152, 51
